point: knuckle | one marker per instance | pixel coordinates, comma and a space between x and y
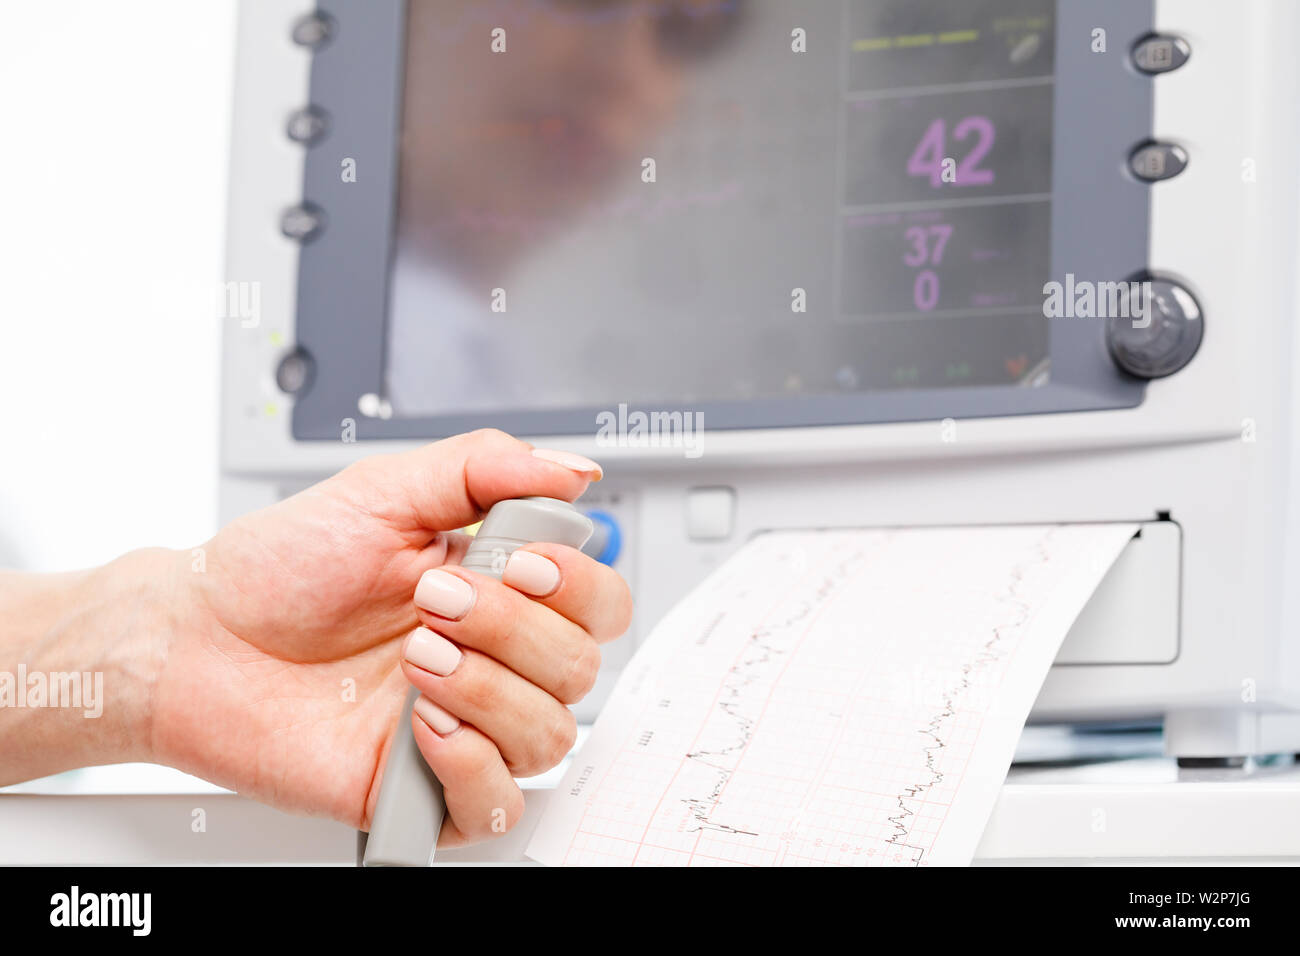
622, 606
481, 689
498, 620
501, 819
581, 591
562, 734
476, 764
513, 811
603, 601
509, 619
580, 674
554, 738
494, 816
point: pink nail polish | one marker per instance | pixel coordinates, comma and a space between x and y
583, 466
531, 573
438, 719
442, 593
432, 652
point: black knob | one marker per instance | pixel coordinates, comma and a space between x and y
1157, 330
295, 372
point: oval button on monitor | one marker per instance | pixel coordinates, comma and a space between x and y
303, 222
307, 125
313, 30
1151, 162
1160, 54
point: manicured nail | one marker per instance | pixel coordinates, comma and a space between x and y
431, 651
531, 573
442, 722
583, 466
442, 593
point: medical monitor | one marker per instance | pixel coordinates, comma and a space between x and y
524, 213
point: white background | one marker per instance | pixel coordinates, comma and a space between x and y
114, 130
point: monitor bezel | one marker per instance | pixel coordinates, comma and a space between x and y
1100, 227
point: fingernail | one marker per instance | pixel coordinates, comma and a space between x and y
438, 719
583, 466
431, 651
531, 573
442, 593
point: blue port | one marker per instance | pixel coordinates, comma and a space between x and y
606, 522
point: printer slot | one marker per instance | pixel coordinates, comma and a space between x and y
1132, 617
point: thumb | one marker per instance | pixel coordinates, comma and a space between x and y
453, 482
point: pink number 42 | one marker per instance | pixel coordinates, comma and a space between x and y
928, 157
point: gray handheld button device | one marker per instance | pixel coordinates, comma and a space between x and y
408, 815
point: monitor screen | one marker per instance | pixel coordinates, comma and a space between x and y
667, 202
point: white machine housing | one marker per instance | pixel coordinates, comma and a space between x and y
1196, 624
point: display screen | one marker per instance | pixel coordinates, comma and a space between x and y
665, 203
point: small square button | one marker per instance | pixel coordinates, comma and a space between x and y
710, 513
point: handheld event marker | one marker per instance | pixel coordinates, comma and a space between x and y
408, 815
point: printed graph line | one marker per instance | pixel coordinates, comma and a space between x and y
713, 624
762, 638
836, 712
934, 730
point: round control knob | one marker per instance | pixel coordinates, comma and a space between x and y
295, 372
1159, 331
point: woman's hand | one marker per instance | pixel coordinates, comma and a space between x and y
282, 679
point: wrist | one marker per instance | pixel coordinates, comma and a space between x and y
143, 596
81, 655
